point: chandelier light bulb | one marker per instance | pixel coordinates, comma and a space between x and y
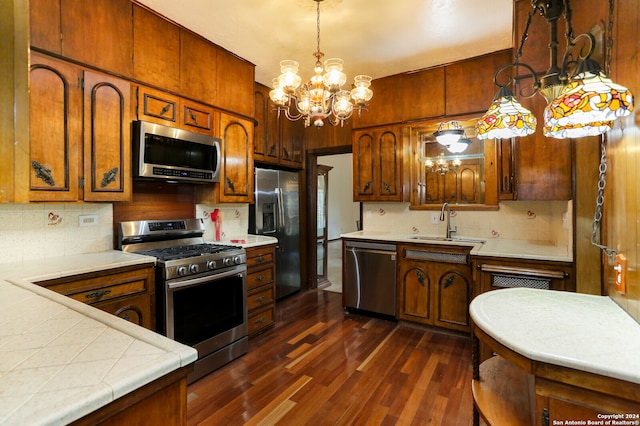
277, 95
334, 78
361, 94
343, 106
289, 80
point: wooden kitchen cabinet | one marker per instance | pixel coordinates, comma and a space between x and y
261, 288
98, 33
156, 48
157, 106
67, 102
128, 292
107, 138
435, 285
378, 165
198, 68
278, 140
493, 273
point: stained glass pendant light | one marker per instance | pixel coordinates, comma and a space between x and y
587, 105
505, 118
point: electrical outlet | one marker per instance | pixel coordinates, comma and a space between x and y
88, 220
621, 273
435, 218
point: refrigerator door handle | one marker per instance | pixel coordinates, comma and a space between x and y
280, 209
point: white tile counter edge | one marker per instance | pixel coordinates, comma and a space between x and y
579, 331
492, 247
167, 356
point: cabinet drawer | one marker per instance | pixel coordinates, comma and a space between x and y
258, 278
197, 118
260, 320
92, 288
260, 259
259, 299
109, 292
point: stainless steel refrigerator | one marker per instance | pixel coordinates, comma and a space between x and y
276, 213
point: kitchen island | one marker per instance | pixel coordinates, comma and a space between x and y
62, 361
560, 357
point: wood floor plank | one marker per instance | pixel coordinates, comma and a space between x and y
320, 365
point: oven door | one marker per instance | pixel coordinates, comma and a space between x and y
207, 312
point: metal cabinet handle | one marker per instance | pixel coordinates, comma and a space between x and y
259, 299
259, 320
420, 279
109, 177
449, 281
259, 259
97, 294
260, 277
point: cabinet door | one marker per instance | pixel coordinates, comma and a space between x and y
543, 165
377, 165
44, 21
291, 142
363, 165
198, 68
197, 117
453, 296
236, 178
99, 33
157, 107
107, 138
55, 130
265, 137
156, 50
135, 309
234, 83
415, 292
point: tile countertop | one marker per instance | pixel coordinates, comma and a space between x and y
579, 331
61, 359
492, 247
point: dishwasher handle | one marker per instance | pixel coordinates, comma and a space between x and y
365, 245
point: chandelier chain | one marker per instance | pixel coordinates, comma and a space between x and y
609, 44
318, 28
525, 35
597, 217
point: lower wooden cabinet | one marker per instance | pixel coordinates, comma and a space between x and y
127, 292
261, 287
434, 285
496, 272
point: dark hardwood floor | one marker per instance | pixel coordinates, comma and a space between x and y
321, 366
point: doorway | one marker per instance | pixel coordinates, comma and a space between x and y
331, 184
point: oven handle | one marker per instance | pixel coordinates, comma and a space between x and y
201, 280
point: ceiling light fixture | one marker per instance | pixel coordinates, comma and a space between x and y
322, 98
448, 133
580, 103
442, 165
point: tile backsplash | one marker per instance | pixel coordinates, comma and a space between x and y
43, 230
235, 220
540, 221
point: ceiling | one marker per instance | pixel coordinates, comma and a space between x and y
374, 37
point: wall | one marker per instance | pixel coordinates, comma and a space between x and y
39, 231
543, 222
622, 196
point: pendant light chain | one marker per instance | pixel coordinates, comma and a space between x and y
609, 44
597, 217
318, 26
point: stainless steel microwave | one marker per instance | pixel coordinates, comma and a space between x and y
174, 155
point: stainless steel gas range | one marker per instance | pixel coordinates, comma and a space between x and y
200, 288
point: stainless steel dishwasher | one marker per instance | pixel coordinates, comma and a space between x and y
370, 277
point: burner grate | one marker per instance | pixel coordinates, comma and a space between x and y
183, 252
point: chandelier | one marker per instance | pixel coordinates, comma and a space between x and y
441, 164
582, 103
322, 97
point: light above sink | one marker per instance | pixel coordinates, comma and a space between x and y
452, 239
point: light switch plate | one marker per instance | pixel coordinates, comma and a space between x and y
621, 273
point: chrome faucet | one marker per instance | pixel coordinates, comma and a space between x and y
446, 207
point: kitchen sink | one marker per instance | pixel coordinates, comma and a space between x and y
452, 239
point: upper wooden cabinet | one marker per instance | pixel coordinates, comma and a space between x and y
55, 104
160, 107
59, 166
404, 97
234, 83
277, 140
107, 138
469, 83
236, 174
378, 161
156, 48
98, 33
198, 68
